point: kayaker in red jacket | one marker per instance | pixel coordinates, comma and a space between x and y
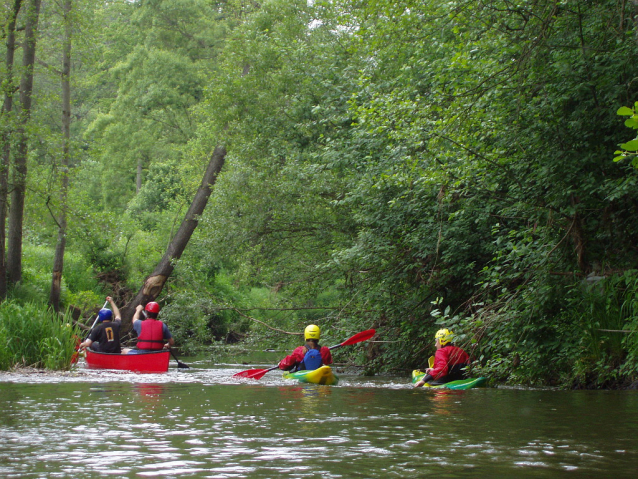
310, 356
449, 361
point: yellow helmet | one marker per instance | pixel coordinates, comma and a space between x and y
312, 331
445, 336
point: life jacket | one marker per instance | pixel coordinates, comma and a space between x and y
152, 335
312, 360
450, 364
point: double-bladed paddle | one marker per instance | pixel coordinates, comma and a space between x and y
357, 338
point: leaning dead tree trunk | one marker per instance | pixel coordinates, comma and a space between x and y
155, 282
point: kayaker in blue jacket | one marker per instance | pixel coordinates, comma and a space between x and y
449, 361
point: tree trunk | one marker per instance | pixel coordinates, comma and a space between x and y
58, 260
155, 282
138, 177
16, 213
7, 109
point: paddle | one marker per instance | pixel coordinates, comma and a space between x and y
357, 338
96, 318
180, 364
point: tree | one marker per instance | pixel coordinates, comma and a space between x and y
155, 282
58, 260
16, 212
7, 116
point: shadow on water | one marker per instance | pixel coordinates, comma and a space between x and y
203, 423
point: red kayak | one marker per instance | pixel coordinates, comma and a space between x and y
151, 362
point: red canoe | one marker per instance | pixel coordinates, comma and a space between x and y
151, 362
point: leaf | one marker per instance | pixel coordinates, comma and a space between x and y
630, 145
624, 111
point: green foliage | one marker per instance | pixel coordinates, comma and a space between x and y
31, 335
404, 164
629, 148
605, 321
195, 318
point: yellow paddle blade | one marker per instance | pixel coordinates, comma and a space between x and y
431, 361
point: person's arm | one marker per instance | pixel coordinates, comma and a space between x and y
291, 360
116, 312
326, 355
170, 342
424, 380
138, 312
93, 336
440, 368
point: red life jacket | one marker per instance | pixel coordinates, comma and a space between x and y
152, 335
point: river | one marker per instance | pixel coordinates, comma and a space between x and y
202, 423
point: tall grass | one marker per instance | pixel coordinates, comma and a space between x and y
32, 335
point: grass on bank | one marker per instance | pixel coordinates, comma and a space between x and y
31, 335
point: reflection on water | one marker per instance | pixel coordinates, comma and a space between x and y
203, 423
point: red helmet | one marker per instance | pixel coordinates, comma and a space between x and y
152, 307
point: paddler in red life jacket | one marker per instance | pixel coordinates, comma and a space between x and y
152, 335
449, 361
310, 356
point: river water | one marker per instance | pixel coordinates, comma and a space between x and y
202, 423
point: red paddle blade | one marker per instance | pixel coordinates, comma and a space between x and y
359, 337
251, 373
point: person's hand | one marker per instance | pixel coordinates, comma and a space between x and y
167, 346
139, 307
429, 371
109, 299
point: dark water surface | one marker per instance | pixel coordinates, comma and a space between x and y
202, 423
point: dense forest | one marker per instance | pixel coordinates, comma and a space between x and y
257, 165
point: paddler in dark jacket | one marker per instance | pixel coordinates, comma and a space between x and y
310, 356
449, 361
105, 337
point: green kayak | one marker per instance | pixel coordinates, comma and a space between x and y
469, 383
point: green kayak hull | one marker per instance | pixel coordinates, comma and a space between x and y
460, 384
